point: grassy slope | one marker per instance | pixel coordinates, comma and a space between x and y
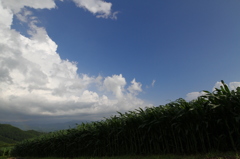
6, 141
11, 135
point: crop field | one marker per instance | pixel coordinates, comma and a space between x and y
5, 151
216, 155
208, 124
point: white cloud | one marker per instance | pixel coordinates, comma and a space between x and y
217, 85
135, 88
234, 85
17, 5
153, 82
115, 84
6, 17
195, 95
99, 7
231, 86
35, 81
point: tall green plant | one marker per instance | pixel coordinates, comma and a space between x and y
210, 122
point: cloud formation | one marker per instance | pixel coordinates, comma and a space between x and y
135, 88
36, 82
153, 82
115, 84
195, 95
15, 5
100, 8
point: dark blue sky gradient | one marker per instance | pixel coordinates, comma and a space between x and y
185, 45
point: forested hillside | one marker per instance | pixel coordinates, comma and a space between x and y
12, 135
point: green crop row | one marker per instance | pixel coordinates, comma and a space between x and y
209, 123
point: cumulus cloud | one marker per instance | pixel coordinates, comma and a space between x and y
217, 85
115, 84
135, 88
100, 8
16, 5
231, 85
195, 95
234, 85
36, 82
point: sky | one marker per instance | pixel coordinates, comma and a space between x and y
63, 60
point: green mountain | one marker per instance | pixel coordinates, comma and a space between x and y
12, 135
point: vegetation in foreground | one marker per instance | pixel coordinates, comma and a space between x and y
216, 155
5, 151
10, 135
210, 123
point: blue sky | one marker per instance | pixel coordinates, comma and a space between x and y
184, 45
171, 48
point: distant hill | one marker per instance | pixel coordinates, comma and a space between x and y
47, 127
12, 135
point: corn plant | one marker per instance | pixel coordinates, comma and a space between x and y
208, 123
